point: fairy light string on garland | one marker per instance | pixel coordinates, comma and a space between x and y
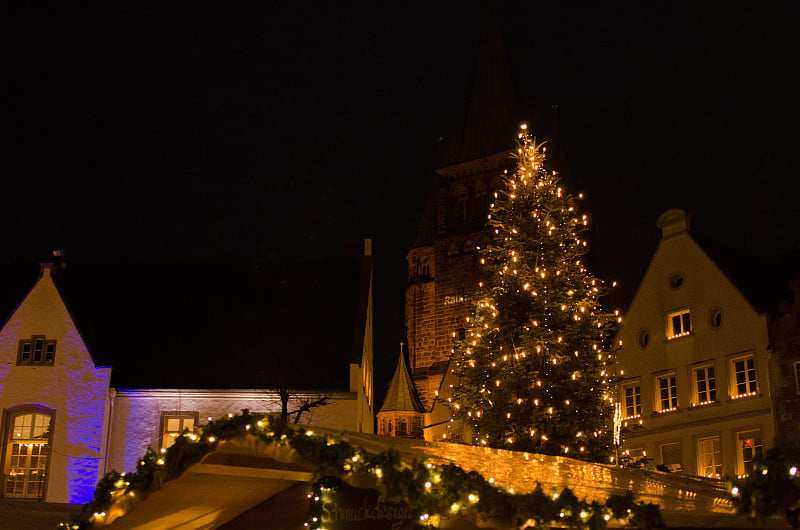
429, 492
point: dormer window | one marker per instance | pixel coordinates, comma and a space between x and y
36, 351
679, 324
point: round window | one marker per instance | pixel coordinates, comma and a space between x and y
715, 318
644, 338
676, 280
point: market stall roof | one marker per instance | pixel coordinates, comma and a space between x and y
247, 480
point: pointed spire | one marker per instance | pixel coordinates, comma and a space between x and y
490, 118
402, 395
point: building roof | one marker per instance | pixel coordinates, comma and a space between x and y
762, 280
490, 118
402, 395
210, 324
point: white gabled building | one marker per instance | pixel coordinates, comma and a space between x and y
695, 395
64, 425
54, 400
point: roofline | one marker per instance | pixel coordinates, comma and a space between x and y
72, 318
42, 267
714, 262
231, 393
362, 304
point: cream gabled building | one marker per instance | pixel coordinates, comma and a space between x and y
695, 395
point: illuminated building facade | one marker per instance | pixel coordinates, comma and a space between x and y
55, 402
64, 425
695, 364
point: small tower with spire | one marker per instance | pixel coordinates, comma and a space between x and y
402, 412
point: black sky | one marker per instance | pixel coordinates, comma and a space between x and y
288, 129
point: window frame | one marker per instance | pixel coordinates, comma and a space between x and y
742, 470
636, 387
6, 430
680, 452
683, 315
719, 464
751, 386
796, 366
45, 360
712, 393
672, 397
174, 414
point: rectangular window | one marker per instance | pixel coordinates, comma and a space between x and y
750, 449
743, 371
671, 456
36, 350
709, 457
633, 401
173, 424
679, 324
797, 376
705, 385
667, 398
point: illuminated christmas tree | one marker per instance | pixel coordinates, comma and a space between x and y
535, 368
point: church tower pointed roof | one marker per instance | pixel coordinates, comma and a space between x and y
402, 395
489, 124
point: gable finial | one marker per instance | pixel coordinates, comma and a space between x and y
46, 268
673, 222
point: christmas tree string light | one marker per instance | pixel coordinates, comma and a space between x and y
535, 356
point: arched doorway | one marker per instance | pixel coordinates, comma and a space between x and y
26, 451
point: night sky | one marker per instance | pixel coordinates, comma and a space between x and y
277, 130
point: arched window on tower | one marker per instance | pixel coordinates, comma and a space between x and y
402, 428
424, 268
479, 205
462, 209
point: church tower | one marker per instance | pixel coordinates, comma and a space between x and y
443, 265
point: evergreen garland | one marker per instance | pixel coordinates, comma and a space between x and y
430, 490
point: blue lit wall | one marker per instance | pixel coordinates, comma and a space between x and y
73, 388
